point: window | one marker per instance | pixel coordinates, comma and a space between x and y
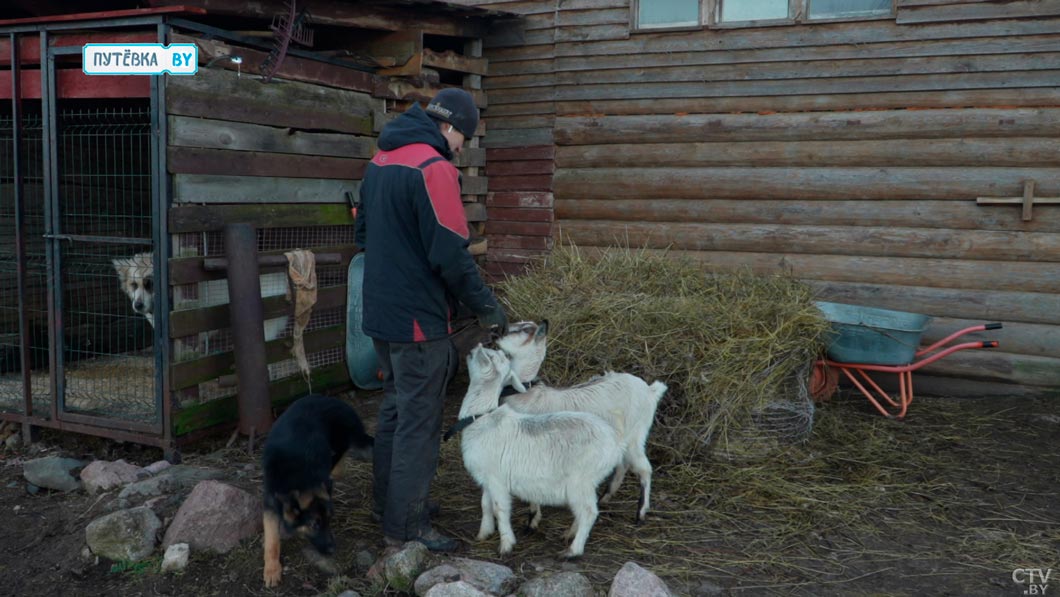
655, 14
684, 14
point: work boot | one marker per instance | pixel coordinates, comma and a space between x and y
433, 508
431, 539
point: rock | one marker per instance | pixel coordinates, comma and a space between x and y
175, 479
215, 517
156, 467
101, 475
13, 441
176, 558
634, 581
487, 576
12, 485
708, 589
436, 576
126, 535
53, 472
32, 489
364, 559
455, 589
402, 568
562, 584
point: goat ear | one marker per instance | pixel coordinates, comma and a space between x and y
480, 356
542, 329
513, 379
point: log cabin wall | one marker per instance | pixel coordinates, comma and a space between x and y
850, 154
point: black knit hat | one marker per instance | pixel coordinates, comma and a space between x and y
457, 107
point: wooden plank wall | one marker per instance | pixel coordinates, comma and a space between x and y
282, 155
849, 154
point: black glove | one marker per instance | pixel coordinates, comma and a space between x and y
495, 317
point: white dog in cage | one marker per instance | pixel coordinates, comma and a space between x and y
136, 278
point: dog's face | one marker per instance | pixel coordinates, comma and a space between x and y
307, 514
136, 279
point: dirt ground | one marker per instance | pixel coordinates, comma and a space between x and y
949, 502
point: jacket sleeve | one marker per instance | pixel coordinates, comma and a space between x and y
445, 236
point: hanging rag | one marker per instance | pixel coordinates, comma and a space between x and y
301, 269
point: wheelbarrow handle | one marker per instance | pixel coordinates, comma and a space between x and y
993, 326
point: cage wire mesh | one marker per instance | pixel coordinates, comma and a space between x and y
273, 283
783, 420
31, 161
104, 194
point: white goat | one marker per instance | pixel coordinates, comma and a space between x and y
625, 401
525, 344
556, 459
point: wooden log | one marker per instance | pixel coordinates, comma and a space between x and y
518, 138
823, 85
695, 56
1042, 248
1001, 151
403, 50
1015, 338
221, 95
819, 34
519, 228
955, 214
995, 365
193, 160
927, 385
526, 152
965, 11
241, 136
206, 218
519, 214
938, 273
520, 168
859, 126
530, 182
980, 306
520, 199
522, 256
862, 102
801, 183
509, 241
211, 188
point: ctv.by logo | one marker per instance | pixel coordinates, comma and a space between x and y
140, 59
1035, 580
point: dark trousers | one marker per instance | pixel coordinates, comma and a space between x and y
407, 437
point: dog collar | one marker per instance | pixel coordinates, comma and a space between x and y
461, 425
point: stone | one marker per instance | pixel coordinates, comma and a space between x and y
32, 489
708, 589
174, 479
215, 517
176, 558
487, 576
125, 535
404, 567
156, 467
455, 589
364, 559
562, 584
13, 441
634, 581
53, 472
101, 475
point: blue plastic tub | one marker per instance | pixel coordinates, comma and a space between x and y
873, 336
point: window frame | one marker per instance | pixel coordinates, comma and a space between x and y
710, 18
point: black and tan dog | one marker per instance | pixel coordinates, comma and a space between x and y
301, 454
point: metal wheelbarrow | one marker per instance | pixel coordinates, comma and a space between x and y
866, 339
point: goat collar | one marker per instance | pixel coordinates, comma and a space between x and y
509, 390
461, 425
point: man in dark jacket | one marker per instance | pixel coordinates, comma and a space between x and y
412, 227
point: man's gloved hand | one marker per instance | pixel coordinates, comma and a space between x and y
495, 317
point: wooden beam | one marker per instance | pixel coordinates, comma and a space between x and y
193, 160
360, 15
452, 61
192, 321
403, 49
241, 136
206, 218
189, 270
219, 94
212, 188
1026, 201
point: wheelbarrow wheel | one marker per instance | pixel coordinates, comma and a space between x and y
824, 381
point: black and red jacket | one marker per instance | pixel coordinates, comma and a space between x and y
411, 225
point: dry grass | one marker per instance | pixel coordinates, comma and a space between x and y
727, 345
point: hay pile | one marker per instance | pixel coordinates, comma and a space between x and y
729, 346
